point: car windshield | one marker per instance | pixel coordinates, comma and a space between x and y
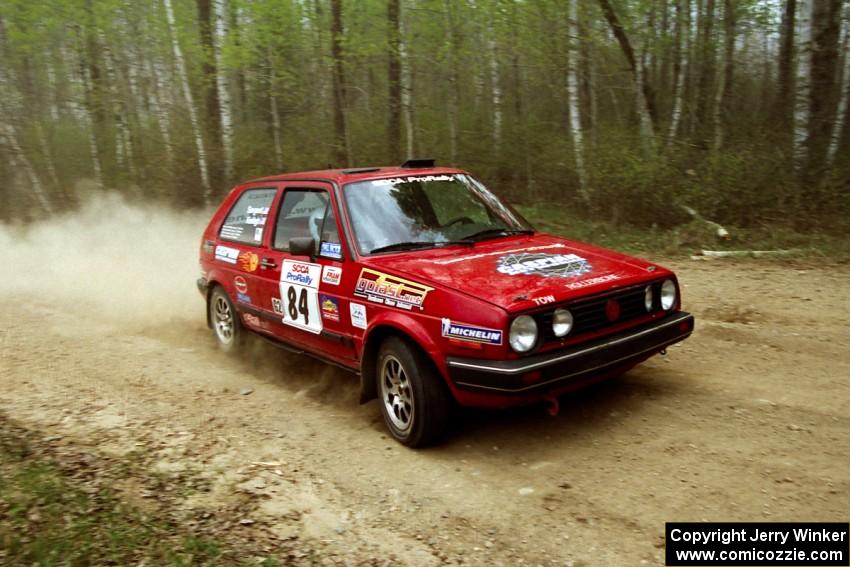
424, 211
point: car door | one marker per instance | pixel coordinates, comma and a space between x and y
241, 242
305, 292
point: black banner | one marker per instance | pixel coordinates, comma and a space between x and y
758, 544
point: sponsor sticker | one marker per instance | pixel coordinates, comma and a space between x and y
593, 281
250, 319
276, 305
301, 273
243, 298
471, 333
231, 231
248, 261
546, 265
331, 250
331, 275
240, 284
412, 179
330, 307
389, 290
258, 234
358, 315
226, 254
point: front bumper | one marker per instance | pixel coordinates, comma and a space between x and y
555, 370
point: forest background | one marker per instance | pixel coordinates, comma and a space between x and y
631, 117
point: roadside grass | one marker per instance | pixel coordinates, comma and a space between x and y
51, 516
686, 239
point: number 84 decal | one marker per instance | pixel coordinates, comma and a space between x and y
299, 287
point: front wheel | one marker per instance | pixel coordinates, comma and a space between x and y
413, 397
224, 320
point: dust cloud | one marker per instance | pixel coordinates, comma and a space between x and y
120, 261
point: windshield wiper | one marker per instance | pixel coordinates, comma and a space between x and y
488, 232
417, 245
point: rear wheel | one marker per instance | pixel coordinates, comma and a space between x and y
224, 320
413, 397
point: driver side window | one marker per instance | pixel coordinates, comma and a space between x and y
303, 214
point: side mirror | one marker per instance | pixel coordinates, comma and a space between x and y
302, 246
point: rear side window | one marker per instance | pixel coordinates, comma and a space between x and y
247, 219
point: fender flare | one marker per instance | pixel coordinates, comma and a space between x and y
395, 323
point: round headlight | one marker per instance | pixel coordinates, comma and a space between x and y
668, 295
562, 322
647, 298
523, 333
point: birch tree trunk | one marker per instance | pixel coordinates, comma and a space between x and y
225, 105
406, 92
785, 71
276, 133
190, 101
840, 122
341, 150
825, 82
802, 87
723, 105
394, 80
573, 100
681, 67
495, 91
454, 77
643, 91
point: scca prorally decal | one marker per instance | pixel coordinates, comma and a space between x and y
226, 254
300, 273
412, 179
484, 255
471, 333
546, 265
593, 281
390, 290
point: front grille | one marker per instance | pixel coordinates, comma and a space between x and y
589, 313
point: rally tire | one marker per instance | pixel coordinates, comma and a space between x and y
224, 320
412, 396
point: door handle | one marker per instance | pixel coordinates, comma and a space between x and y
268, 263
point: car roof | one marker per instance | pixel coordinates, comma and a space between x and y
348, 175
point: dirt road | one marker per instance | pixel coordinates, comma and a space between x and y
747, 420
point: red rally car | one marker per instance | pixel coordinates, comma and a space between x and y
431, 288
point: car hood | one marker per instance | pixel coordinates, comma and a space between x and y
518, 273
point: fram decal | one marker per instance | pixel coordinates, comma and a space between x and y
249, 261
546, 265
331, 250
226, 254
593, 281
358, 315
240, 284
471, 333
276, 305
383, 288
300, 273
330, 307
331, 275
484, 255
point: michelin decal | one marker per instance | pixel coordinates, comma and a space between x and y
470, 333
